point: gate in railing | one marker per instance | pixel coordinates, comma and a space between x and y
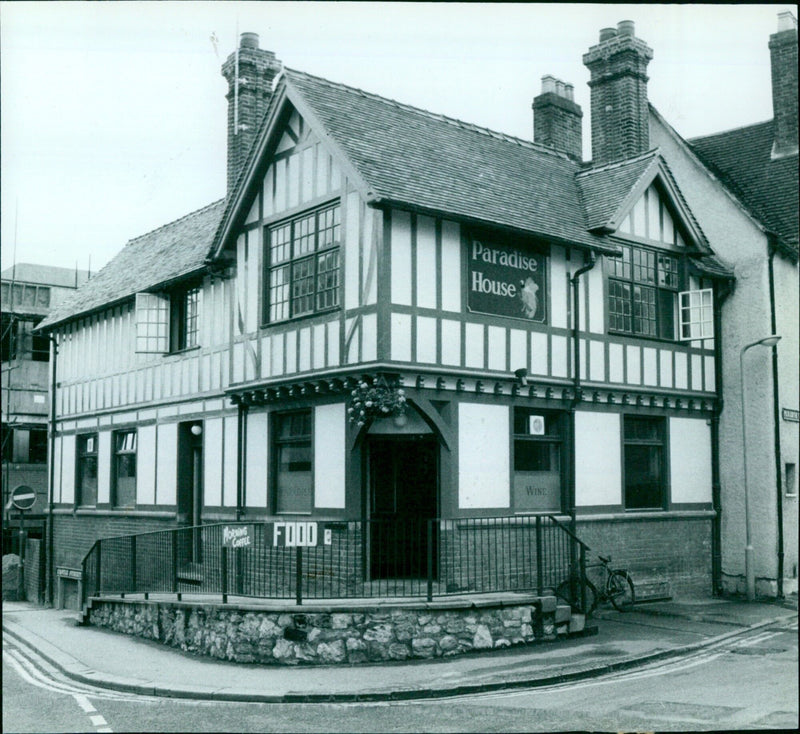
339, 560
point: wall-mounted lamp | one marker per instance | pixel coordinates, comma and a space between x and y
196, 429
522, 375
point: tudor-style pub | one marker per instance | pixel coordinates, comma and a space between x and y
398, 316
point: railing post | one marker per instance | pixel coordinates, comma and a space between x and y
583, 578
98, 580
430, 560
539, 566
133, 564
299, 575
175, 563
223, 553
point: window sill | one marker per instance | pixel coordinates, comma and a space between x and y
178, 352
303, 317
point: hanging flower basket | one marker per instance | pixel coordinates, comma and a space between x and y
377, 400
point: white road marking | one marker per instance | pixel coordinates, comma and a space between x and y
98, 720
84, 703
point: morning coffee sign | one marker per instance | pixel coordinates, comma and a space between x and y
506, 281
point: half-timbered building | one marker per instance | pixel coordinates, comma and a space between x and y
397, 315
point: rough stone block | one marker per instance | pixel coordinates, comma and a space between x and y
423, 647
563, 613
482, 640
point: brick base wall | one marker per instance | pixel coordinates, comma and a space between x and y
675, 550
74, 535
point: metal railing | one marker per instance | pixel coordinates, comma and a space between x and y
347, 559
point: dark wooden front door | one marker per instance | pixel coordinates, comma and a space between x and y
190, 488
403, 498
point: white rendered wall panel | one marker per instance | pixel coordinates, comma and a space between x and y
253, 270
697, 372
596, 307
305, 350
230, 452
329, 456
59, 469
167, 458
318, 346
690, 460
451, 342
558, 345
633, 373
333, 343
473, 345
710, 377
369, 339
539, 353
598, 473
426, 262
401, 258
483, 476
451, 266
257, 459
145, 465
650, 365
213, 462
291, 352
373, 232
518, 349
597, 355
104, 467
426, 339
401, 337
559, 300
681, 371
68, 469
665, 363
352, 286
497, 348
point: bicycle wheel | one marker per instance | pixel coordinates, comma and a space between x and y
620, 591
564, 591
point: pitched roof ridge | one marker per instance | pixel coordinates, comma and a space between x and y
437, 116
175, 221
728, 132
620, 163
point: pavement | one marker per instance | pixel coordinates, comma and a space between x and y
653, 632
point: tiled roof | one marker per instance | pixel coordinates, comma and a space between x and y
742, 160
414, 158
604, 189
169, 252
45, 275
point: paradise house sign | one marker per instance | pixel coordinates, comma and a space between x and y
506, 281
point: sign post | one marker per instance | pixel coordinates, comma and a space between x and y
23, 498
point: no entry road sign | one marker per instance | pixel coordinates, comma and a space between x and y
23, 497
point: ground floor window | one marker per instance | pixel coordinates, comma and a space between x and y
293, 491
538, 459
86, 470
124, 469
644, 463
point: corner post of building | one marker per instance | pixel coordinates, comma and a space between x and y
223, 553
241, 454
51, 474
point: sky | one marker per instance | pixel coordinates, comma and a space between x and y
113, 114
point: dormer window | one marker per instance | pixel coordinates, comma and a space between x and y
642, 290
303, 265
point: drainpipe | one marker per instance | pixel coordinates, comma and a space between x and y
241, 437
51, 470
776, 414
721, 293
590, 260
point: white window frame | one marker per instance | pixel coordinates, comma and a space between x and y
152, 323
696, 314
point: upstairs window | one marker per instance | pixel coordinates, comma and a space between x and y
168, 322
184, 318
642, 289
303, 265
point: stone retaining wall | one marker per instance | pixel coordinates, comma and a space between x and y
245, 635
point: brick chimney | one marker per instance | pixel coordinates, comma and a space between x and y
257, 70
783, 53
620, 115
557, 118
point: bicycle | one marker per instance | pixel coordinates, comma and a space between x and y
618, 588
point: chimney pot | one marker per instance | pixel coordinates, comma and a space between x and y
248, 40
560, 88
625, 28
548, 84
607, 33
786, 22
569, 92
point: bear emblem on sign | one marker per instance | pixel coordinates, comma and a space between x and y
528, 294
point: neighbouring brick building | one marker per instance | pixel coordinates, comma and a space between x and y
28, 293
397, 315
